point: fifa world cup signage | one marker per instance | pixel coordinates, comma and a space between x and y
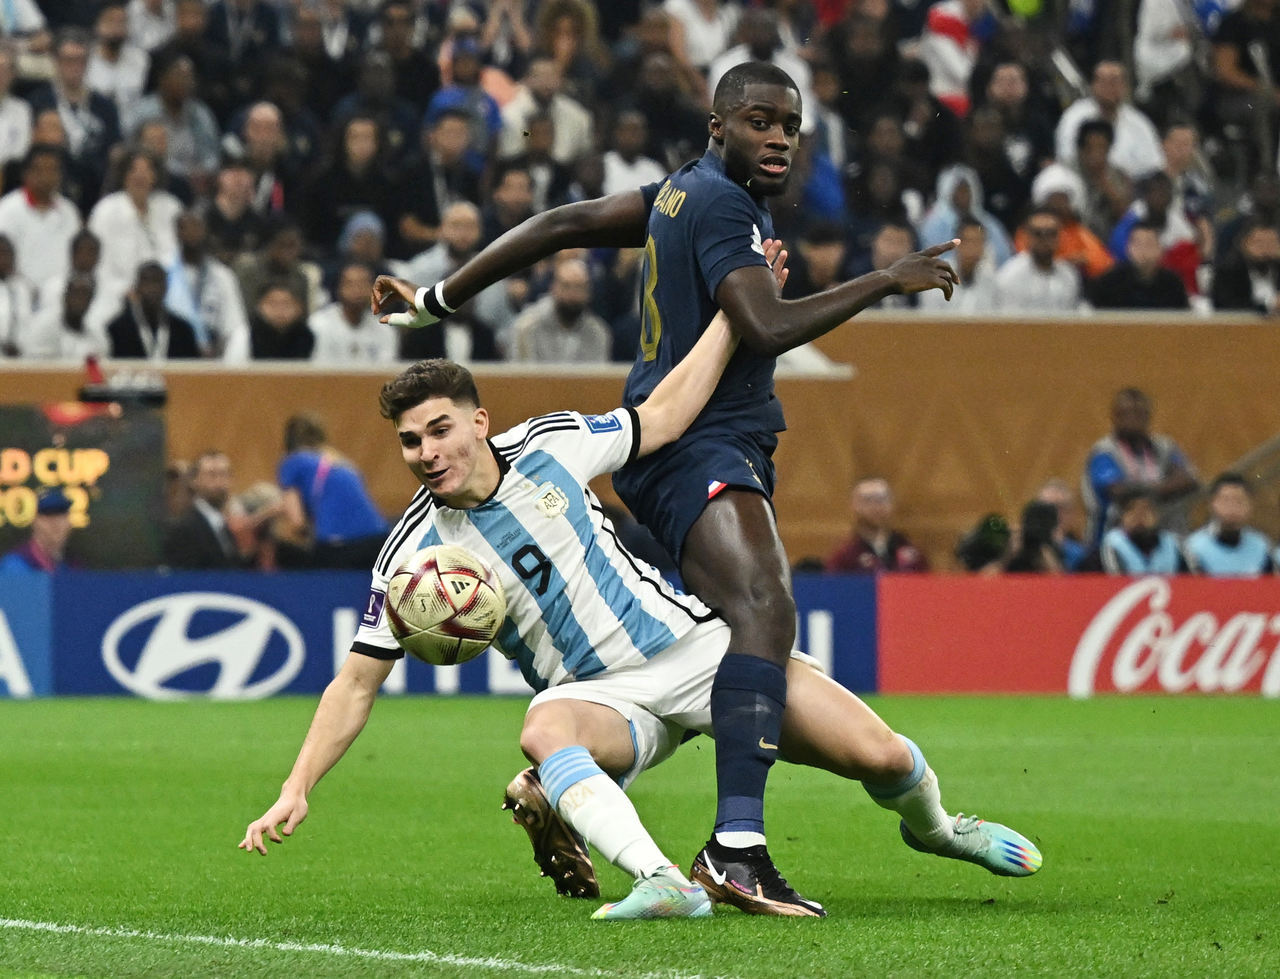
109, 463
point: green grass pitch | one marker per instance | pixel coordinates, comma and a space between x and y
1159, 819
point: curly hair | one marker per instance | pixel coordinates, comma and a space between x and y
423, 381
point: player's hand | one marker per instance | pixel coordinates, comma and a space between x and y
925, 270
387, 286
777, 256
289, 810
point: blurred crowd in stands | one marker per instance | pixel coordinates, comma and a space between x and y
223, 178
1130, 517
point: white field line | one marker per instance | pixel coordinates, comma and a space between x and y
430, 958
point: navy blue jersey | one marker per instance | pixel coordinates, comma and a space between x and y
702, 226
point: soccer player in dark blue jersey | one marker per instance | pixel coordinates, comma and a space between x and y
707, 496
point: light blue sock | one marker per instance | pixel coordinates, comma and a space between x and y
879, 791
917, 800
564, 769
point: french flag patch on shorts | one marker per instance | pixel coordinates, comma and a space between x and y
714, 487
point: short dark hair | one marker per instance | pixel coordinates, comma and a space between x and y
42, 149
423, 381
72, 35
1133, 394
274, 283
503, 168
1041, 210
1230, 478
303, 431
731, 90
1092, 127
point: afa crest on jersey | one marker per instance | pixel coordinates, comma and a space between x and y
552, 503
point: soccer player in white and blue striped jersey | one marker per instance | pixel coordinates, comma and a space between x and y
624, 664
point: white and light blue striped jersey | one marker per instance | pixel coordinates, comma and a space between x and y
578, 603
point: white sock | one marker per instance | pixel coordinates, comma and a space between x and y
740, 841
921, 809
598, 809
918, 800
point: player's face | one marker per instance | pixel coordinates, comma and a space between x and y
759, 138
443, 444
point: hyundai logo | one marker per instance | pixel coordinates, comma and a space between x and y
237, 635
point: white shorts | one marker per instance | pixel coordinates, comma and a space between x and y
662, 698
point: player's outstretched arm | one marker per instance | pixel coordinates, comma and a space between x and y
770, 325
341, 715
684, 392
616, 221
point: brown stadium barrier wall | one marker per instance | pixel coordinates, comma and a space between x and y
962, 416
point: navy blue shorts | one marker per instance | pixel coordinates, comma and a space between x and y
668, 490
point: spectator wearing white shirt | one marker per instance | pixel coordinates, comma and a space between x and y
625, 165
1162, 46
137, 223
86, 251
1034, 282
61, 329
117, 68
1136, 149
38, 219
151, 22
16, 305
708, 27
762, 42
542, 91
206, 291
950, 49
975, 292
495, 307
346, 331
15, 114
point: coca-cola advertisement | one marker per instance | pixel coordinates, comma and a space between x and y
1079, 635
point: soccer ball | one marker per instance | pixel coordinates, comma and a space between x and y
445, 605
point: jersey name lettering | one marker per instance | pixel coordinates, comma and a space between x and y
669, 200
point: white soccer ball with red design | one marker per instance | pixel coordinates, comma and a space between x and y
445, 605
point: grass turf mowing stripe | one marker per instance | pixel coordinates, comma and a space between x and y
430, 958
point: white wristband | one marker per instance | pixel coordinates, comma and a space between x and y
440, 298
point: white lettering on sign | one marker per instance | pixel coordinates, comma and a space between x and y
1199, 653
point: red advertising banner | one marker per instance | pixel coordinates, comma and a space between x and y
1079, 635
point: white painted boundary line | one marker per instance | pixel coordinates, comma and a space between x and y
432, 958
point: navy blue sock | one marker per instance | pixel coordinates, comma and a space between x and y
746, 718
